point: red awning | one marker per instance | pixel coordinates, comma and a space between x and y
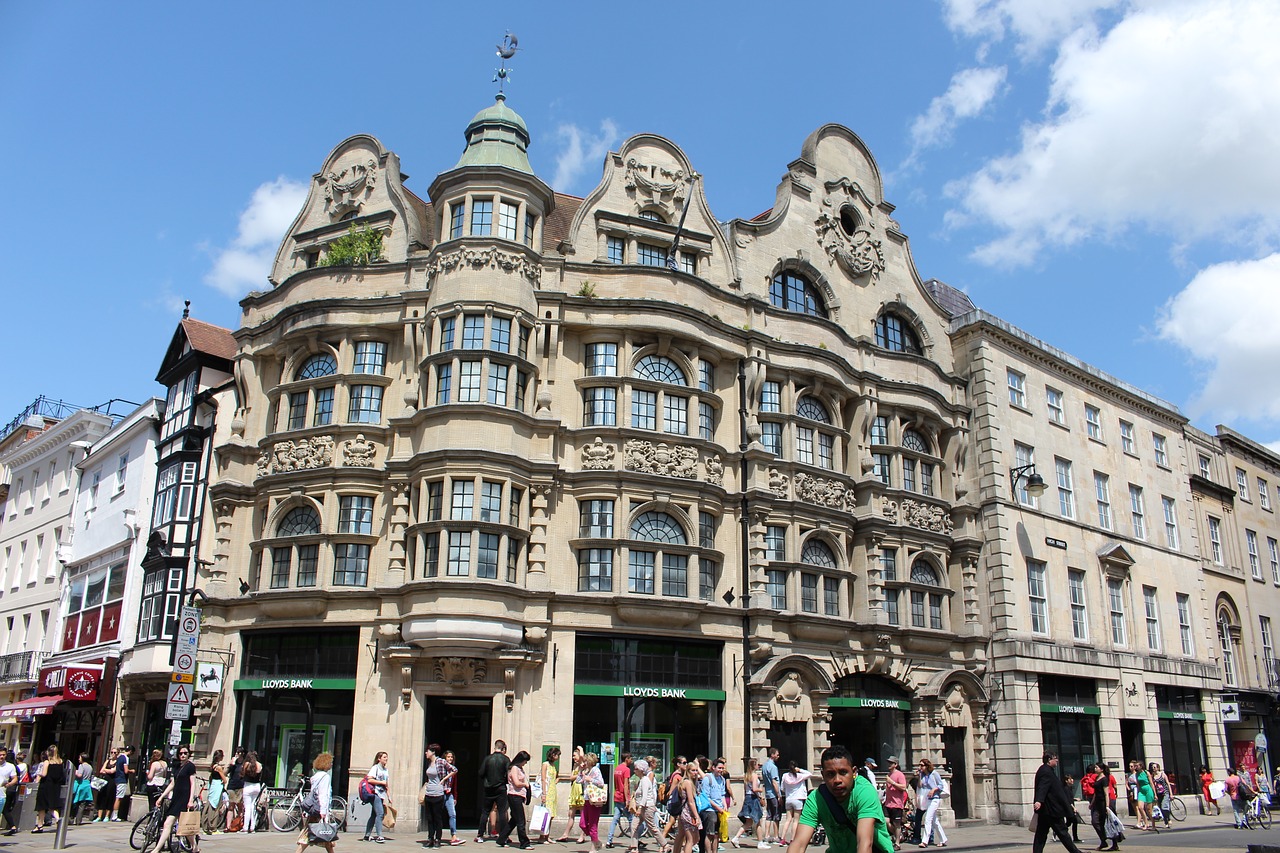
28, 708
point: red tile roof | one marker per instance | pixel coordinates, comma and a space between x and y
209, 339
556, 228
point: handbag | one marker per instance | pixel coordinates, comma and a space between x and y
535, 787
540, 820
596, 795
188, 824
97, 783
322, 832
1035, 822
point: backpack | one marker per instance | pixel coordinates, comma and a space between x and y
672, 798
311, 804
1086, 785
367, 794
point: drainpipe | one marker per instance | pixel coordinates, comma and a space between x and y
745, 548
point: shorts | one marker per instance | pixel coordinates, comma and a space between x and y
893, 815
710, 821
122, 790
773, 809
794, 804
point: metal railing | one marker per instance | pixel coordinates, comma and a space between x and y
42, 406
20, 666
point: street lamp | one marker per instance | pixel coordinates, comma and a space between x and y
1035, 483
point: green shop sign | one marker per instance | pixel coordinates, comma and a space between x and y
863, 702
294, 684
641, 691
1180, 715
1090, 710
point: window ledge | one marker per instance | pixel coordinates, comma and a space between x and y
1018, 408
1059, 425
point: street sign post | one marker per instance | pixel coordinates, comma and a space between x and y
178, 704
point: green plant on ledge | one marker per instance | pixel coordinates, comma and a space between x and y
355, 248
588, 290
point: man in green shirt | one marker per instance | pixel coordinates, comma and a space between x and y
848, 807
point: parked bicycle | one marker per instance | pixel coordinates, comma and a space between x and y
288, 816
146, 831
1258, 814
1177, 810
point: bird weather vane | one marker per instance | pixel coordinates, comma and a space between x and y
506, 50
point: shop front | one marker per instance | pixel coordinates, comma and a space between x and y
1182, 741
1069, 717
295, 699
66, 709
872, 717
648, 697
1246, 718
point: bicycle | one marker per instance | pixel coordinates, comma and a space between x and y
1177, 810
289, 817
146, 831
1258, 812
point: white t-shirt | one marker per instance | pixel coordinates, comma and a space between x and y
7, 772
378, 773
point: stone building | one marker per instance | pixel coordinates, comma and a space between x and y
598, 471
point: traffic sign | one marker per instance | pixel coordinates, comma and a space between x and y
185, 662
181, 678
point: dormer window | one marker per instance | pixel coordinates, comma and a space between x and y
793, 292
895, 334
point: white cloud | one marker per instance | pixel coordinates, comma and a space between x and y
1033, 24
1167, 121
245, 264
969, 93
1225, 319
580, 151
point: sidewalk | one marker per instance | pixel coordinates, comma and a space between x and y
114, 837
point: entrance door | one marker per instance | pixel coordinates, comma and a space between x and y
464, 727
956, 758
1132, 750
791, 740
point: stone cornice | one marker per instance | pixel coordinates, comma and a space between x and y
1249, 449
77, 426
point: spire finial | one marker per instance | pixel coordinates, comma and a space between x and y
506, 50
186, 309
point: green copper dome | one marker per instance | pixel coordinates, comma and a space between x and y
497, 136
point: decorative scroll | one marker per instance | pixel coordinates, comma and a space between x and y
661, 458
825, 492
358, 453
926, 516
342, 189
856, 250
315, 452
652, 184
479, 259
598, 456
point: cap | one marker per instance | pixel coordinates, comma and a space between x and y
892, 759
642, 766
871, 761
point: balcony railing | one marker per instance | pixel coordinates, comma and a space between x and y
20, 666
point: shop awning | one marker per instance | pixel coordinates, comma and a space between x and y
28, 708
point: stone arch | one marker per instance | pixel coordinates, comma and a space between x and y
800, 264
286, 506
298, 357
1225, 604
938, 687
910, 315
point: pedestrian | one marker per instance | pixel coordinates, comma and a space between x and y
106, 793
578, 758
594, 797
82, 789
1073, 817
795, 789
929, 799
493, 787
895, 800
517, 798
621, 796
1208, 803
689, 819
251, 772
752, 811
52, 775
1236, 790
1146, 798
1160, 784
213, 815
432, 794
549, 776
450, 781
120, 777
1051, 807
644, 804
156, 777
180, 792
771, 779
8, 786
322, 794
1100, 806
669, 796
868, 770
377, 779
847, 805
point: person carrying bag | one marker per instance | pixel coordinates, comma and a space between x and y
316, 829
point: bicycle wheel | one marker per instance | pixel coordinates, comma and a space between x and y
1177, 809
286, 818
338, 813
1263, 817
146, 830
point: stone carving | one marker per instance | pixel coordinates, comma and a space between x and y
824, 492
315, 452
461, 671
715, 470
842, 237
342, 189
661, 458
478, 259
889, 509
926, 516
598, 456
358, 453
778, 482
790, 691
652, 184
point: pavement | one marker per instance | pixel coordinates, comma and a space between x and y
1196, 833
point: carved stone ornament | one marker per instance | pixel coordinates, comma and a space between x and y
661, 458
889, 509
358, 453
715, 470
653, 184
306, 453
343, 190
853, 247
479, 259
926, 516
778, 482
824, 492
460, 671
790, 691
598, 456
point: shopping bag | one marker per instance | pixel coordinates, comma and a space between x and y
1112, 826
97, 783
322, 832
1035, 823
188, 824
540, 820
1217, 790
389, 818
724, 826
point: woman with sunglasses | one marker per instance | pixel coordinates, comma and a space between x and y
181, 796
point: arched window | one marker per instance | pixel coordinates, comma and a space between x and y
926, 607
913, 440
652, 216
660, 369
895, 334
922, 572
323, 364
661, 528
1226, 642
300, 521
810, 408
814, 446
818, 553
792, 292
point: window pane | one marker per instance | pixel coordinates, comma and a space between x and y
481, 217
355, 514
366, 404
641, 572
463, 500
351, 565
371, 357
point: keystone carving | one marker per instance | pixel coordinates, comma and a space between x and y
358, 453
315, 452
661, 458
460, 671
598, 456
479, 259
824, 492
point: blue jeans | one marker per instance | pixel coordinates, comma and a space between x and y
620, 812
451, 806
374, 827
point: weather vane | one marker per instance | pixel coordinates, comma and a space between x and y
506, 50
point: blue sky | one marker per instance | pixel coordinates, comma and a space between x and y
1101, 173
